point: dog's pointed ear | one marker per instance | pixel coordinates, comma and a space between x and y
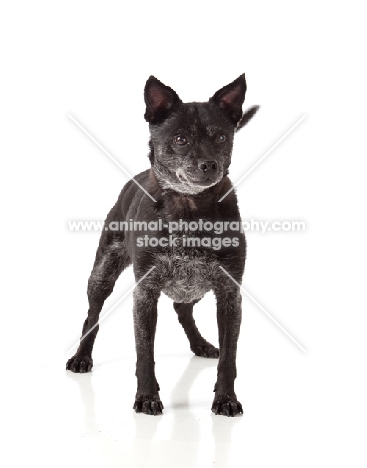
160, 100
231, 97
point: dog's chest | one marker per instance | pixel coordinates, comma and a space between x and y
186, 277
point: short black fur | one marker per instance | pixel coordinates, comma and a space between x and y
190, 153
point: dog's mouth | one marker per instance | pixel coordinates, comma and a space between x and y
204, 180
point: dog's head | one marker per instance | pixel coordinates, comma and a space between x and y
191, 143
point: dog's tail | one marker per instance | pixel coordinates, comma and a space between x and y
247, 116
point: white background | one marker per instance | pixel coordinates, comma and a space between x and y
91, 59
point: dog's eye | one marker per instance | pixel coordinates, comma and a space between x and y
180, 140
221, 138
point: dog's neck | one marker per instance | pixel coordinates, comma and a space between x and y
175, 205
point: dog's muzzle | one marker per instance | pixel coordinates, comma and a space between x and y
205, 173
208, 167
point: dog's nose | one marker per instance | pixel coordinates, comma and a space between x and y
208, 166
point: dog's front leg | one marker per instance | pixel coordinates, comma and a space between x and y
229, 321
145, 319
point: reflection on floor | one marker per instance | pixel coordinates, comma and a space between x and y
187, 434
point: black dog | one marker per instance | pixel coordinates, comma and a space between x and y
190, 152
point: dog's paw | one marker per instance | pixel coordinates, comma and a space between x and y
227, 406
205, 349
79, 364
148, 404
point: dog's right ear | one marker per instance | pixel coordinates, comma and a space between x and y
230, 99
160, 100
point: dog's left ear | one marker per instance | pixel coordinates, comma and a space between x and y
231, 97
159, 99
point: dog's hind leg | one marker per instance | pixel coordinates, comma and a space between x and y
111, 259
198, 344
